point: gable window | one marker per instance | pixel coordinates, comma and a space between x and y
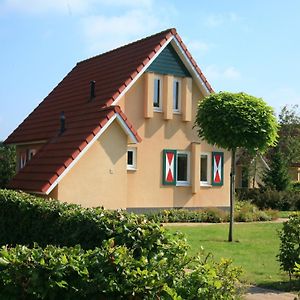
157, 96
183, 168
176, 95
205, 169
131, 159
31, 153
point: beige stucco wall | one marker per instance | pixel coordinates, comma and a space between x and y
99, 178
145, 187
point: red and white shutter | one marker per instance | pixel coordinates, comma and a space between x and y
169, 167
217, 168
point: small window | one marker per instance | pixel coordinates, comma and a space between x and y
131, 159
183, 168
176, 95
157, 99
205, 169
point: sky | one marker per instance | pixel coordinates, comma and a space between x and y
241, 46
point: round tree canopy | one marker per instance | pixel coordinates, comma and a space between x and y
231, 120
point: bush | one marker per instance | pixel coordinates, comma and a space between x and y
121, 255
289, 251
271, 199
244, 212
110, 272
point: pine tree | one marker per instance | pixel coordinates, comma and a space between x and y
277, 176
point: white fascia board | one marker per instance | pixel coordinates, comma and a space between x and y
143, 70
89, 145
190, 67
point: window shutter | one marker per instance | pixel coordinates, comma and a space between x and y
217, 168
169, 167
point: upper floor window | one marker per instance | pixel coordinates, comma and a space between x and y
176, 95
131, 159
157, 96
205, 169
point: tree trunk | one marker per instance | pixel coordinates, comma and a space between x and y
232, 188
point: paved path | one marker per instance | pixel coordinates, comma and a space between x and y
256, 293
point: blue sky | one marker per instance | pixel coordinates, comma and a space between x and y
251, 46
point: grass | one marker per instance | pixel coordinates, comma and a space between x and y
285, 214
254, 249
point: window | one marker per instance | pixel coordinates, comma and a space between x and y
205, 169
183, 168
176, 95
157, 97
31, 153
131, 159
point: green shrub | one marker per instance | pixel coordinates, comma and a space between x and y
289, 251
244, 212
271, 199
110, 272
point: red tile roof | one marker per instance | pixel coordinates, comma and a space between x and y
112, 71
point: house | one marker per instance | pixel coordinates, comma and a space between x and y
118, 132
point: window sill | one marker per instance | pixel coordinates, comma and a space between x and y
131, 169
156, 109
204, 184
176, 112
183, 184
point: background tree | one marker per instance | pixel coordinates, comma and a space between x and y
289, 133
7, 163
277, 176
230, 121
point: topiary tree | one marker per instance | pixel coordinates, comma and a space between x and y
233, 120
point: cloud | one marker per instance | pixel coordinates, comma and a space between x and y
217, 20
104, 33
214, 72
197, 46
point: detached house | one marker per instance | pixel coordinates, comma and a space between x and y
118, 132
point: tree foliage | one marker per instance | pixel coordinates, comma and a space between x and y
7, 163
277, 176
232, 120
289, 133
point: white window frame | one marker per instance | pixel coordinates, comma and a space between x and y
177, 80
187, 182
131, 167
209, 167
160, 78
31, 154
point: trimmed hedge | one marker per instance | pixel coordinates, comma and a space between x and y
110, 272
120, 256
26, 219
271, 199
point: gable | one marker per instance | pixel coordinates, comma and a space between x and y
168, 62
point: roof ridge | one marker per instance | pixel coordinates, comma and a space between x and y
172, 30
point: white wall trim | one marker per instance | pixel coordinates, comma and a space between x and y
190, 67
143, 70
88, 146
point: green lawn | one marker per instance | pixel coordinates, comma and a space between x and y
255, 248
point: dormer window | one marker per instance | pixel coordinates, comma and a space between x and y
157, 95
176, 95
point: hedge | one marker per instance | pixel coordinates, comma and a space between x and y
99, 254
110, 272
